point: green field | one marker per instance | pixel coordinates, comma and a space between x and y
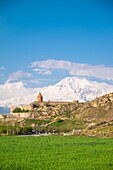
55, 153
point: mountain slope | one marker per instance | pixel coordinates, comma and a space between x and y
72, 88
68, 89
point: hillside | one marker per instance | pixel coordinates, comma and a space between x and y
94, 118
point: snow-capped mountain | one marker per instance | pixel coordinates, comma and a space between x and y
68, 89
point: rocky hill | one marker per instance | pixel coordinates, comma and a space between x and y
99, 109
103, 100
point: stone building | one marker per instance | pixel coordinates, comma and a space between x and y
40, 98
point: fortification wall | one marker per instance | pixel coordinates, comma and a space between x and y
25, 107
61, 102
22, 115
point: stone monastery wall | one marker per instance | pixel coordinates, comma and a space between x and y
41, 104
25, 107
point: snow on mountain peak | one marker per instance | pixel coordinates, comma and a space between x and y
68, 89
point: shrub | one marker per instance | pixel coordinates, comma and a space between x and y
19, 110
3, 129
26, 130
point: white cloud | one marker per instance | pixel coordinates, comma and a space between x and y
2, 68
35, 81
42, 71
76, 69
17, 75
51, 64
9, 90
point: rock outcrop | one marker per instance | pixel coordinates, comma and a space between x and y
103, 100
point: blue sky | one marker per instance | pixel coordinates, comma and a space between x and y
76, 36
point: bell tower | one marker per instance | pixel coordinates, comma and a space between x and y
40, 98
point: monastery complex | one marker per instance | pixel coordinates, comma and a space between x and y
26, 110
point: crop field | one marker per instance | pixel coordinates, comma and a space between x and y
55, 153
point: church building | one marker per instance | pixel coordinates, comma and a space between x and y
40, 98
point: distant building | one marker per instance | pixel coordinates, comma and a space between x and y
40, 98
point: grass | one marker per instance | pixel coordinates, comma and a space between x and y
55, 153
28, 122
